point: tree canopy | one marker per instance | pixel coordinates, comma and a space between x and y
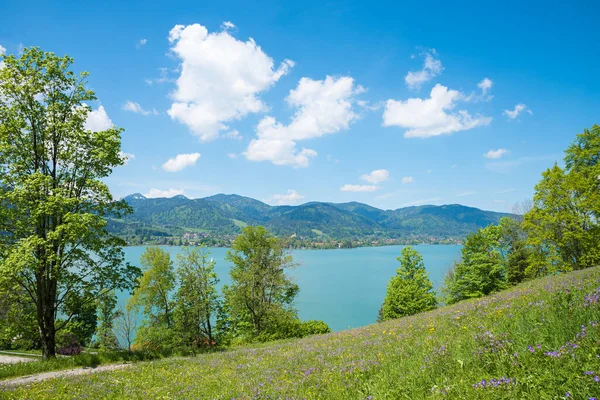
260, 296
410, 291
53, 200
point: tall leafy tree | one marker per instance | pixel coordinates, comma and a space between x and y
105, 336
53, 237
561, 220
197, 299
563, 224
515, 252
153, 293
260, 296
480, 270
410, 291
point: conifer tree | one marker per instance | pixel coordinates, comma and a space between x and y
410, 291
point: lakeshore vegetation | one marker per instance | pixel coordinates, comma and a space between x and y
516, 320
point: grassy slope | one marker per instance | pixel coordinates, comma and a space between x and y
542, 335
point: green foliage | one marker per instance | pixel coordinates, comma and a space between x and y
81, 326
260, 296
480, 270
314, 327
53, 198
18, 325
518, 263
157, 339
197, 301
153, 292
525, 343
410, 291
516, 253
105, 336
564, 225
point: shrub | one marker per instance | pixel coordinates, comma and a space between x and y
314, 327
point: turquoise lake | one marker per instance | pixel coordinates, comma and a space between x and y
343, 287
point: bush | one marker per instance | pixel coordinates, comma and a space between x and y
73, 348
314, 327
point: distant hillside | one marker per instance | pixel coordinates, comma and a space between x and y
226, 214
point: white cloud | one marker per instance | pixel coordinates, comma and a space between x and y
433, 116
495, 154
232, 155
234, 134
126, 157
377, 176
519, 108
136, 108
432, 67
180, 162
407, 179
332, 159
227, 25
221, 78
153, 193
164, 77
467, 193
485, 85
141, 42
97, 120
359, 188
291, 197
323, 107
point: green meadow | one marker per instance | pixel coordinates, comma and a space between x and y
540, 339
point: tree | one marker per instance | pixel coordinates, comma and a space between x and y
564, 222
260, 294
105, 336
480, 270
18, 327
125, 325
81, 326
197, 301
517, 263
53, 237
410, 291
153, 292
561, 220
514, 249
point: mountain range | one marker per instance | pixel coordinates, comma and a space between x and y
226, 214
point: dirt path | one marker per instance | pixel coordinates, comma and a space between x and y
4, 359
25, 380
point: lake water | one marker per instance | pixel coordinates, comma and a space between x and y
343, 287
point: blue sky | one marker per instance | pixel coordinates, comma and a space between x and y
287, 102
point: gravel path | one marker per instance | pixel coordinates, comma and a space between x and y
14, 359
25, 380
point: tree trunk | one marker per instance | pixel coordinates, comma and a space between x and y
46, 291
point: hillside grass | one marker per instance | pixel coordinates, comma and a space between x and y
540, 340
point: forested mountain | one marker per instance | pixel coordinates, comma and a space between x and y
225, 214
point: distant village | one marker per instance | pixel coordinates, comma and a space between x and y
293, 241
